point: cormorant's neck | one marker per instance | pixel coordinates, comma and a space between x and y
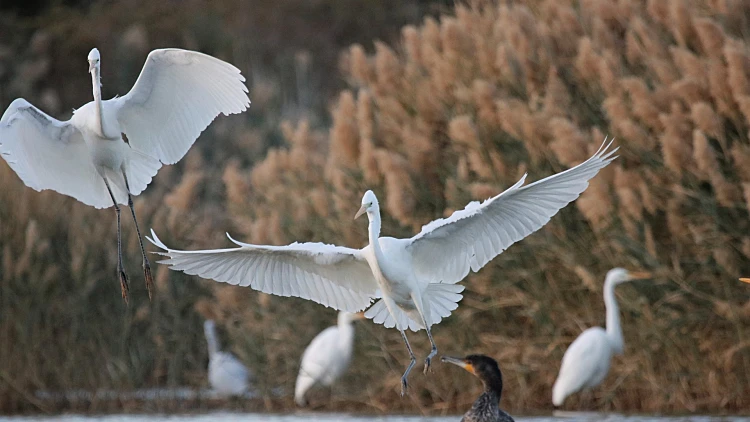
494, 386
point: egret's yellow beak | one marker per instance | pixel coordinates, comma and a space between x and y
359, 315
746, 280
361, 211
639, 275
458, 362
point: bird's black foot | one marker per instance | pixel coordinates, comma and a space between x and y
149, 278
123, 284
428, 360
404, 385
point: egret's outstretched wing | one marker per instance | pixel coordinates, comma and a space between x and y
446, 249
177, 95
330, 275
49, 154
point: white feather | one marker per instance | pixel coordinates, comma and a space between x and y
176, 96
330, 275
446, 249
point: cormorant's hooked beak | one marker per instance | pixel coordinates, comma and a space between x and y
361, 211
639, 275
745, 280
458, 362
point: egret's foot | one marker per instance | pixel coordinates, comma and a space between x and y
404, 385
124, 284
149, 278
428, 360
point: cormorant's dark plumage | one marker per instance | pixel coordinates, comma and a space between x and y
486, 407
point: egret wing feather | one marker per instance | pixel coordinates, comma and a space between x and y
50, 154
446, 249
177, 95
331, 275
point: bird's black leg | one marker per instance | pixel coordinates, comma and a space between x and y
404, 382
146, 265
433, 351
120, 269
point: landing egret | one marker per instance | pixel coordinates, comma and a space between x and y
586, 362
327, 357
414, 278
176, 96
486, 408
226, 374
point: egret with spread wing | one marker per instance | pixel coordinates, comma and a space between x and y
586, 362
176, 96
415, 279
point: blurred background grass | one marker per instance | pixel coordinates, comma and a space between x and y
431, 104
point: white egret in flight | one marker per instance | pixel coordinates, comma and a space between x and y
586, 362
176, 96
226, 374
487, 407
327, 357
414, 278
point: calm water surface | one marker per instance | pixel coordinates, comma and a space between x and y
321, 417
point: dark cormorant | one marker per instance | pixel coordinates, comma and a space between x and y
486, 408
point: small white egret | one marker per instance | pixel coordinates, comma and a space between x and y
415, 278
226, 374
586, 362
487, 407
327, 357
176, 96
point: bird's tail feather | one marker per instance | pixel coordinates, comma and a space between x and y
439, 300
140, 169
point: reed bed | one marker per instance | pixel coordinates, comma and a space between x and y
455, 109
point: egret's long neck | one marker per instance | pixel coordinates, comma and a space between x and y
96, 82
614, 331
346, 334
374, 232
213, 344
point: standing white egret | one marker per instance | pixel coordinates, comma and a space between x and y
415, 278
176, 96
586, 362
327, 357
226, 374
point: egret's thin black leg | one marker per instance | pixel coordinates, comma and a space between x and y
146, 265
120, 269
404, 382
434, 350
